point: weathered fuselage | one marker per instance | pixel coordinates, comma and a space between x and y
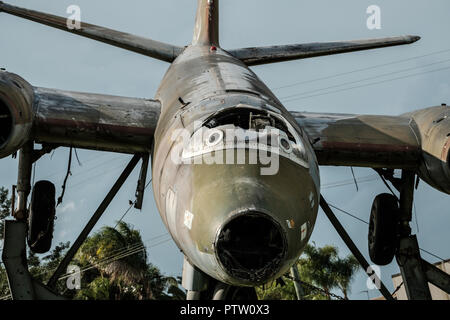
226, 217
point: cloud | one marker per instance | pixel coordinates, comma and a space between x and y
70, 206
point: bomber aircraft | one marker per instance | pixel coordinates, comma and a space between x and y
235, 175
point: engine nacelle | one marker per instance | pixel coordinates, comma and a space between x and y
16, 112
432, 127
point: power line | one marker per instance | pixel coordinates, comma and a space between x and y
131, 205
342, 183
347, 213
369, 84
117, 257
365, 79
359, 70
365, 222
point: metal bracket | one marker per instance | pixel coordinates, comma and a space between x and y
193, 280
140, 190
415, 271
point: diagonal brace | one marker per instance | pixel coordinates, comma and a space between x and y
90, 225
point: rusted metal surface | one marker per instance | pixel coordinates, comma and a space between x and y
198, 202
141, 45
361, 140
264, 55
206, 30
201, 83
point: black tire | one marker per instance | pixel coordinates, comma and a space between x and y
383, 229
41, 217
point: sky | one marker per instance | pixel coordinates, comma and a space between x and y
51, 58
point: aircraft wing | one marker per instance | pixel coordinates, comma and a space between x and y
361, 140
73, 119
148, 47
270, 54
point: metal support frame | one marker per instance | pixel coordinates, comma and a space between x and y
355, 251
298, 287
415, 271
21, 283
140, 190
193, 280
24, 180
94, 219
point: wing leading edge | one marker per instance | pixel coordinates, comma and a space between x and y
361, 140
155, 49
264, 55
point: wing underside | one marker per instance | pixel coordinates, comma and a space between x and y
361, 140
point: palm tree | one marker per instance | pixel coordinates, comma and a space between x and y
324, 268
119, 255
118, 265
346, 270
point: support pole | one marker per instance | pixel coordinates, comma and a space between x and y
90, 225
298, 287
193, 280
24, 180
21, 284
411, 268
142, 182
436, 276
351, 245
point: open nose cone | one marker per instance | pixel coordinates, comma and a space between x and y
251, 247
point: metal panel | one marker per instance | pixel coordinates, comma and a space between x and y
95, 121
361, 140
264, 55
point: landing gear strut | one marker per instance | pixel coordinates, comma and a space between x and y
40, 226
200, 286
416, 272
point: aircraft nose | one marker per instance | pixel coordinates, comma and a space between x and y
251, 247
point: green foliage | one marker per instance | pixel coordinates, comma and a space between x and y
325, 269
114, 265
277, 290
320, 267
119, 258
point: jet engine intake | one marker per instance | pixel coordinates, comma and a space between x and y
16, 113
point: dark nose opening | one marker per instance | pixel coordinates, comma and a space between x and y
251, 247
5, 123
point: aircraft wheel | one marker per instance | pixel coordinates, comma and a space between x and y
226, 292
382, 229
41, 217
